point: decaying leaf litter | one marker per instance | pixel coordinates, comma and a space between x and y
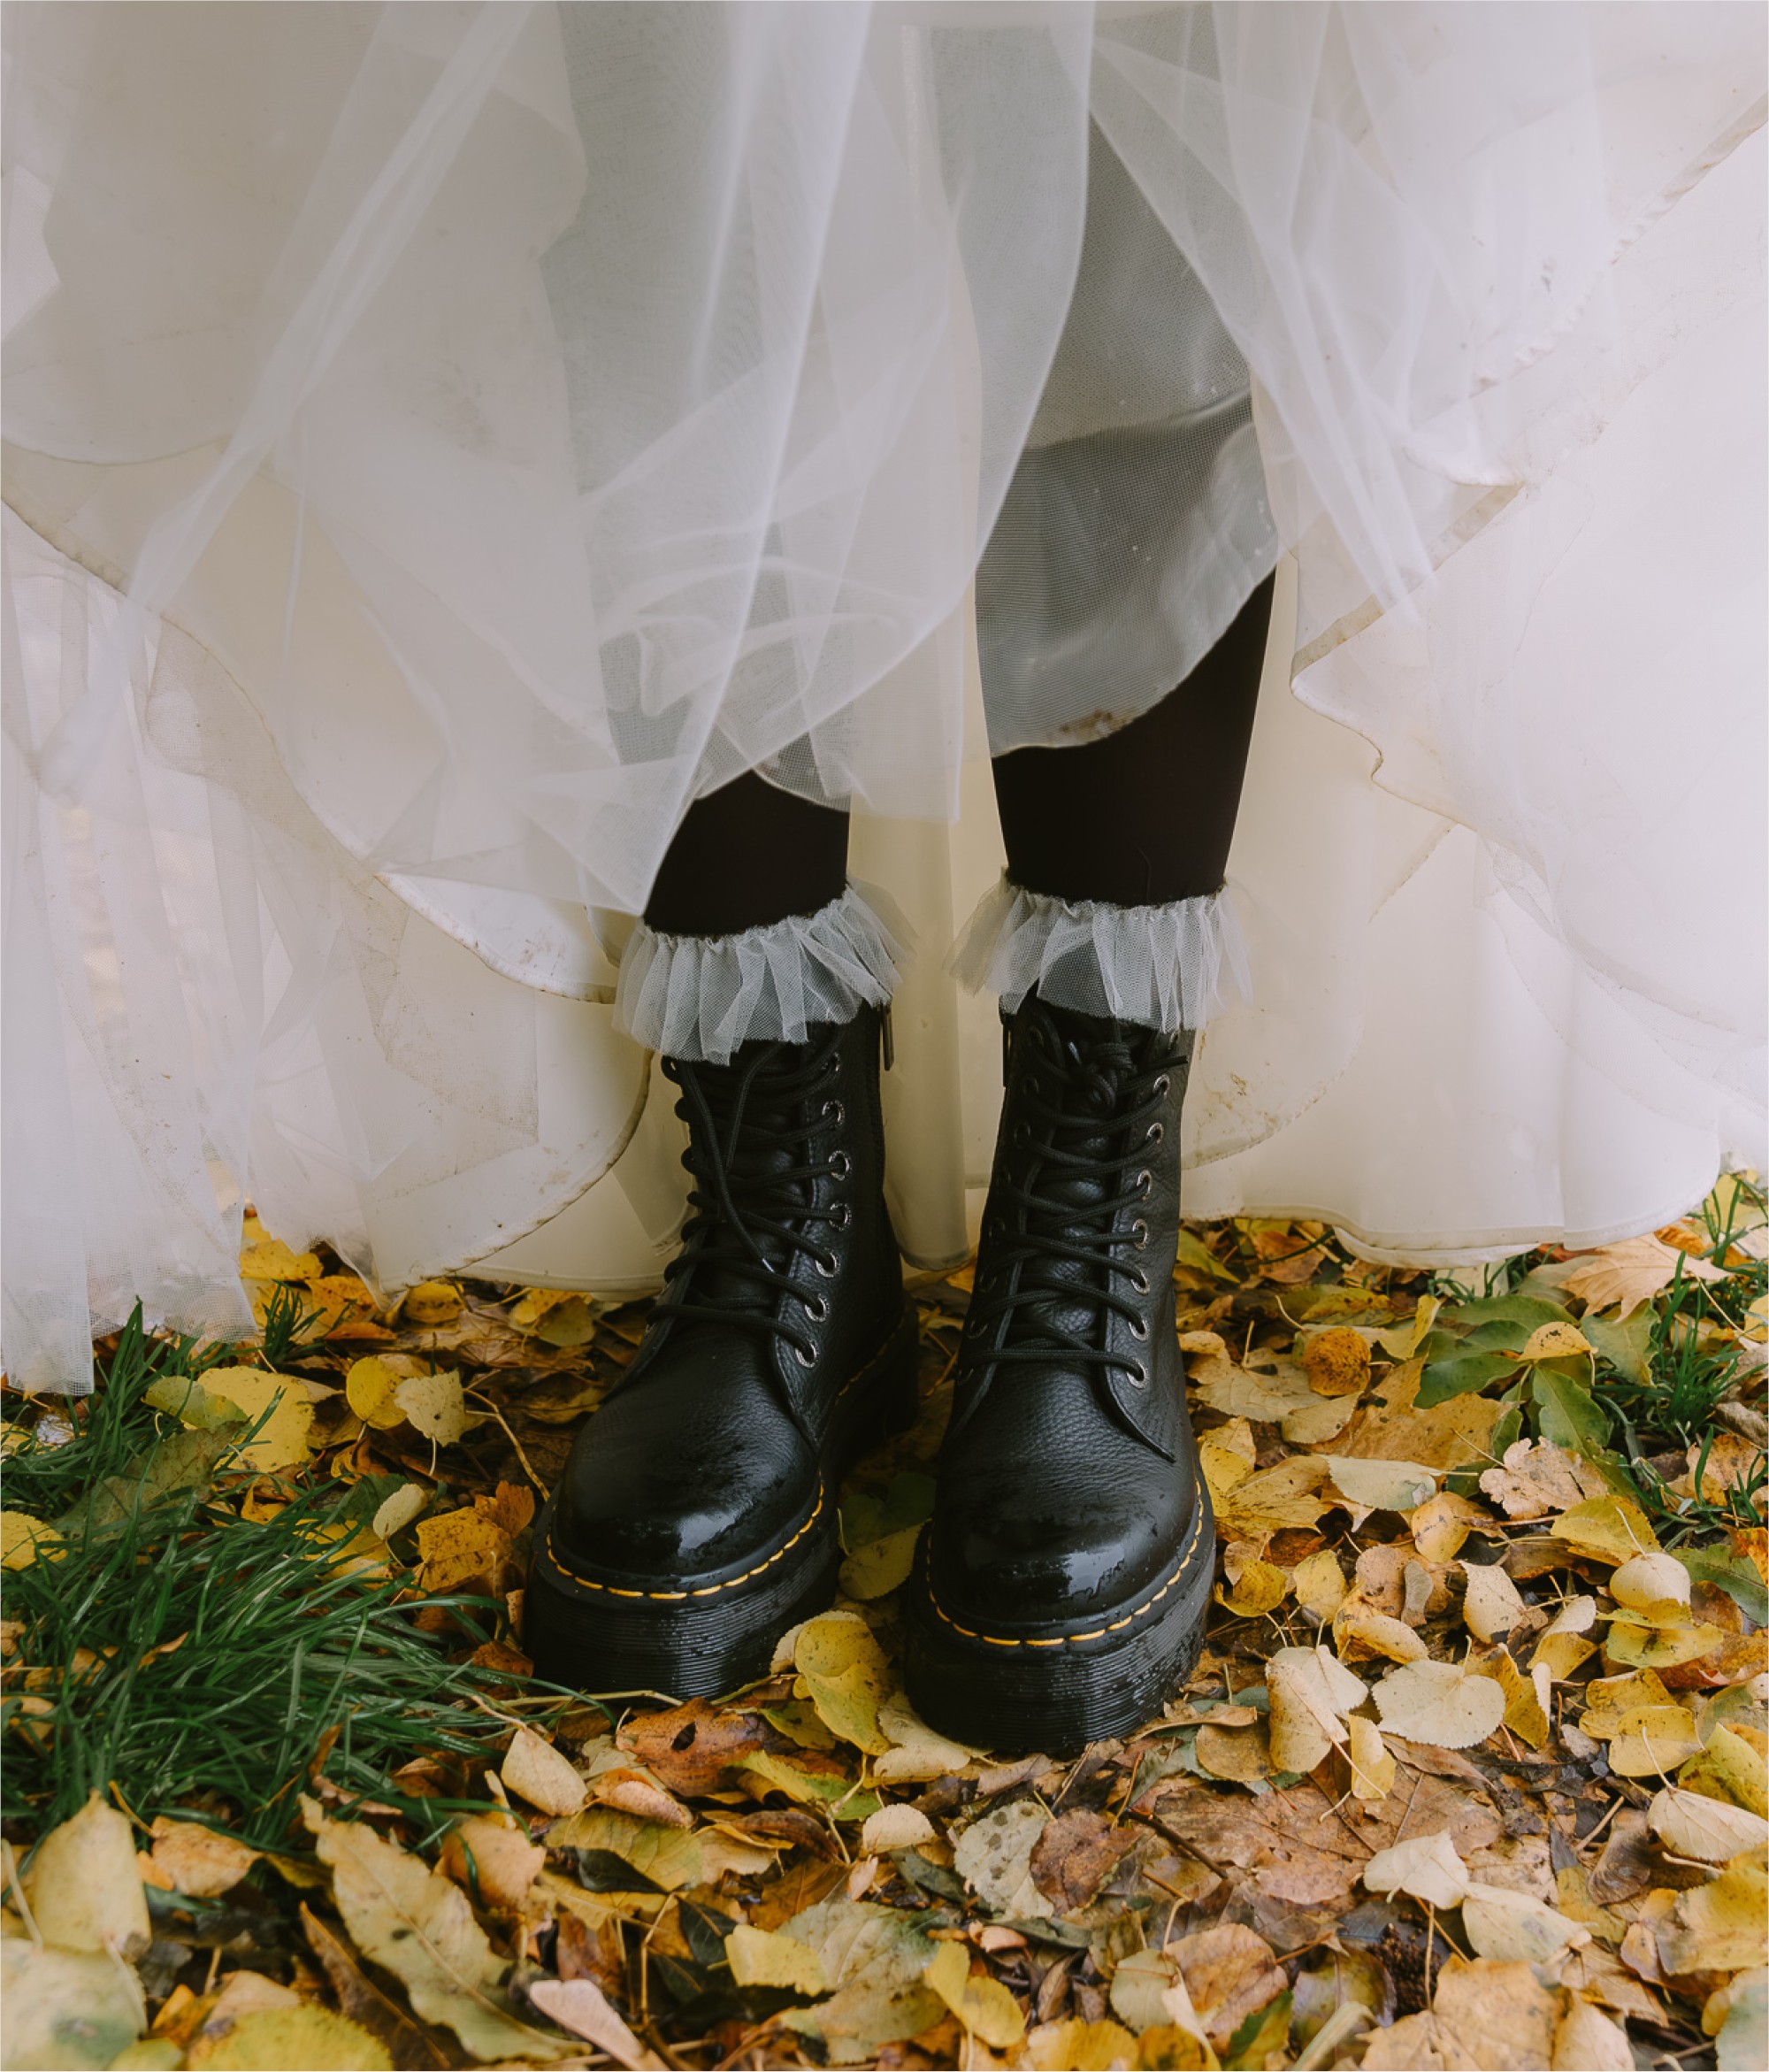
1472, 1771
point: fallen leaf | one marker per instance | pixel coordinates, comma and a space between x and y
491, 1860
1730, 1767
664, 1855
845, 1677
370, 1387
1718, 1927
881, 1566
691, 1748
1371, 1764
1537, 1478
268, 2039
1526, 1699
1079, 2046
282, 1437
462, 1552
1382, 1485
1336, 1362
1589, 2041
1622, 1276
875, 1960
401, 1914
1556, 1341
983, 2003
633, 1793
1492, 1606
759, 1957
1259, 1589
397, 1511
993, 1856
1737, 2018
1440, 1527
1443, 1703
1516, 1927
1075, 1854
1651, 1740
581, 2005
1221, 1384
83, 1887
1426, 1868
430, 1302
1229, 1973
1711, 1830
1607, 1528
1275, 1497
895, 1827
1363, 1634
200, 1862
22, 1538
270, 1259
66, 2007
1240, 1756
1318, 1584
434, 1404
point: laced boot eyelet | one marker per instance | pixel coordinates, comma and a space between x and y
841, 1215
1140, 1332
815, 1307
834, 1113
1145, 1180
1163, 1086
804, 1358
1139, 1234
1157, 1131
1139, 1281
826, 1263
840, 1165
1138, 1375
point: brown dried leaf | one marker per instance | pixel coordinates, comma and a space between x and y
1075, 1855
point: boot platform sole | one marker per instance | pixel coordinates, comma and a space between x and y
1056, 1690
703, 1636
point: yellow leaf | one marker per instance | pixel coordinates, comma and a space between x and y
983, 2005
1239, 1755
666, 1855
1443, 1703
492, 1860
1556, 1341
1382, 1485
431, 1302
270, 1259
369, 1387
396, 1512
1644, 1644
1361, 1634
1427, 1868
55, 1999
759, 1957
461, 1551
581, 2005
1440, 1528
1509, 1927
1275, 1497
199, 1862
1608, 1528
1080, 2047
1337, 1362
435, 1404
402, 1914
1730, 1767
282, 1439
1650, 1579
1404, 1340
1525, 1701
846, 1677
1718, 1927
1259, 1589
269, 2038
1223, 1470
84, 1887
1492, 1606
22, 1538
1711, 1830
1372, 1765
533, 1769
881, 1566
1651, 1740
1319, 1584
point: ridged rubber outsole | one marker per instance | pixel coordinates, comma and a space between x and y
1054, 1689
700, 1637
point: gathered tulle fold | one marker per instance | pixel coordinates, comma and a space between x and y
701, 996
1168, 967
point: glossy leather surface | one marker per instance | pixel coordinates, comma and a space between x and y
708, 1454
1068, 1481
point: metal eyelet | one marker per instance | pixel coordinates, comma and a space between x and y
1140, 1332
815, 1307
842, 1217
1157, 1131
840, 1166
1139, 1376
1139, 1281
1139, 1234
1163, 1086
834, 1112
828, 1268
804, 1358
1145, 1180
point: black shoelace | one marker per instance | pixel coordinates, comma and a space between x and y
1094, 1093
752, 1151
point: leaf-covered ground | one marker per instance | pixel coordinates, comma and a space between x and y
1471, 1771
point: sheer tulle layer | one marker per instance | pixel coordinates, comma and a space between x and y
700, 996
482, 430
1168, 967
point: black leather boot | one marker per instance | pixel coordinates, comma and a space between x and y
695, 1521
1061, 1588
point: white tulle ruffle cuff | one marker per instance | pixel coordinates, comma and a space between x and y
1171, 967
700, 996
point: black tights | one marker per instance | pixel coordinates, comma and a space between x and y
1139, 818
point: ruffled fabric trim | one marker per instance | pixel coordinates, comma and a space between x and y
700, 996
1171, 967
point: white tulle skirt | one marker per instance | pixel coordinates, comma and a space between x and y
443, 440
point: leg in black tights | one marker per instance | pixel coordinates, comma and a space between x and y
1140, 818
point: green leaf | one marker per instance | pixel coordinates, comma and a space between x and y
1527, 1311
189, 1400
1194, 1252
186, 1459
1735, 1574
1625, 1347
1265, 2033
1461, 1374
1565, 1410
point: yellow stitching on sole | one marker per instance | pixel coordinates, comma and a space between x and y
1070, 1640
